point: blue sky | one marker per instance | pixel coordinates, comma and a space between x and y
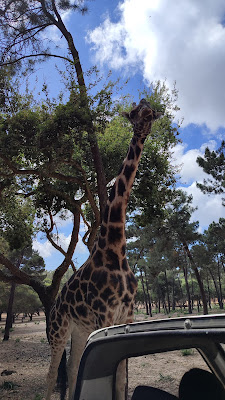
147, 40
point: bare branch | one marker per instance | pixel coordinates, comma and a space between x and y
57, 13
60, 271
55, 245
36, 55
48, 14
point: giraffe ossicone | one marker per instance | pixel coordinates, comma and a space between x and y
101, 293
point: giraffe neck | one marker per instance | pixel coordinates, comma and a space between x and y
112, 233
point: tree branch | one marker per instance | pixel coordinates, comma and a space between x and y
36, 55
39, 173
48, 14
15, 271
57, 13
9, 278
60, 271
56, 246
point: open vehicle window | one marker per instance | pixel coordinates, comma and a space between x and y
160, 353
162, 370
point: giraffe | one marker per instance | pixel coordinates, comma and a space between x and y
101, 293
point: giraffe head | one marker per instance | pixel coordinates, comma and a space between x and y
141, 117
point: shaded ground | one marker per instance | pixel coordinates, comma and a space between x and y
27, 356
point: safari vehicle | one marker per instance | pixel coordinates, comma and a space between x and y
107, 347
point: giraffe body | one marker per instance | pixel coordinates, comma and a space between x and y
101, 293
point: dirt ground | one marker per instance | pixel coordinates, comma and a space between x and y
24, 361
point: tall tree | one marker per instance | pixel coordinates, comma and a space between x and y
178, 224
214, 239
16, 228
22, 23
26, 301
213, 163
56, 153
52, 166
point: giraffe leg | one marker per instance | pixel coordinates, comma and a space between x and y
53, 372
56, 355
78, 341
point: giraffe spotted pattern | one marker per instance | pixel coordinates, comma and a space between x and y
101, 293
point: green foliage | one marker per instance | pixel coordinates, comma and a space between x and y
4, 296
213, 163
187, 352
66, 276
26, 300
140, 295
214, 237
50, 142
33, 264
46, 148
114, 144
160, 249
11, 100
179, 216
16, 218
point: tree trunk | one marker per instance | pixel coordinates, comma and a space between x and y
167, 291
181, 290
208, 287
198, 277
101, 181
9, 317
159, 299
144, 292
220, 286
173, 294
192, 294
198, 308
165, 307
148, 293
216, 287
202, 291
223, 266
187, 289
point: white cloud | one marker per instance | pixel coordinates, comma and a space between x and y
186, 161
46, 250
209, 206
181, 41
